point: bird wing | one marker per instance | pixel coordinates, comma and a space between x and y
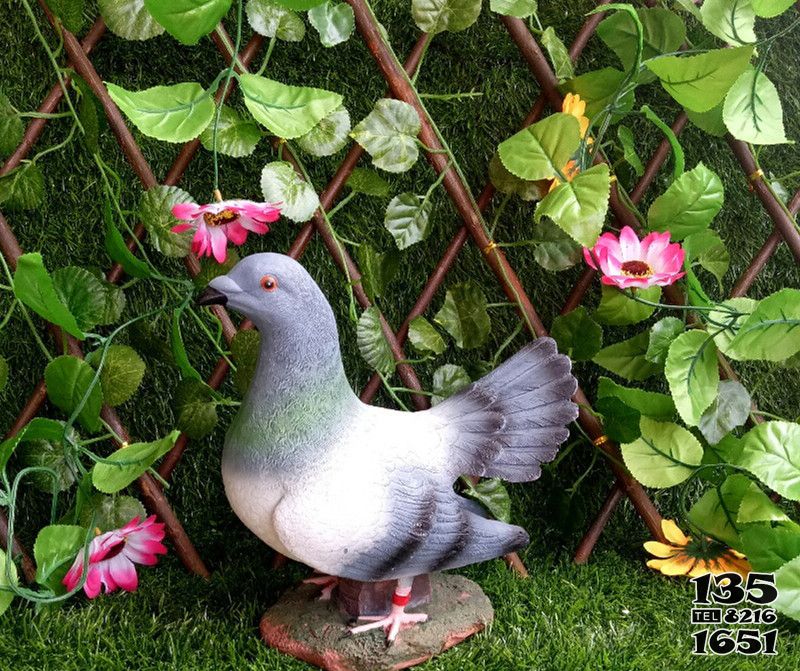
512, 420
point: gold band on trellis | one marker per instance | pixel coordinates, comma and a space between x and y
756, 175
601, 440
492, 245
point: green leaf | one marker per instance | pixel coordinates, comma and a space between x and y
771, 452
715, 512
209, 269
598, 89
771, 8
577, 334
69, 12
112, 512
649, 403
22, 188
236, 136
711, 121
54, 552
730, 409
378, 269
723, 338
90, 299
756, 506
33, 286
692, 372
50, 454
625, 136
122, 373
274, 20
129, 19
436, 16
787, 582
372, 342
6, 595
39, 428
617, 309
389, 134
368, 182
664, 455
542, 149
733, 21
245, 347
195, 408
752, 111
188, 20
176, 113
707, 248
424, 337
178, 347
620, 421
663, 32
287, 111
447, 380
627, 358
772, 331
334, 21
689, 204
407, 218
280, 183
521, 9
579, 207
555, 250
11, 127
329, 135
662, 333
508, 183
492, 495
701, 82
768, 548
118, 251
155, 213
464, 315
68, 380
559, 56
3, 373
128, 463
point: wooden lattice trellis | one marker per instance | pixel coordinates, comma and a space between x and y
469, 210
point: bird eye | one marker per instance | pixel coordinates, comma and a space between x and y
269, 283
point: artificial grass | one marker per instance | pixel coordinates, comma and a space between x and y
614, 613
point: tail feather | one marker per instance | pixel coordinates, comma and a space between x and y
513, 420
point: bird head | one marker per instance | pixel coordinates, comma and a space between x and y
272, 290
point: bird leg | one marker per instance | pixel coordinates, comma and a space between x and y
327, 582
397, 618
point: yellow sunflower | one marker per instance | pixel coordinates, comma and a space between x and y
685, 556
569, 171
576, 107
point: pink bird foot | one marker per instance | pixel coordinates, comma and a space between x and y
397, 618
327, 582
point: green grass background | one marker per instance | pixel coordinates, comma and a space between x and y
612, 614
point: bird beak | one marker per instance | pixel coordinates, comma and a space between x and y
211, 296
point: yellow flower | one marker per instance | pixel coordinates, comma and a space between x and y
576, 107
684, 556
569, 171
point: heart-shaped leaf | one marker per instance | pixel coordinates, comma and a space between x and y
11, 127
407, 218
743, 305
287, 111
771, 332
176, 113
447, 380
542, 149
598, 89
39, 428
769, 451
617, 309
649, 403
492, 494
424, 337
627, 358
54, 551
662, 333
689, 204
716, 511
436, 16
281, 184
368, 182
577, 334
559, 56
122, 467
329, 135
112, 512
663, 32
274, 20
770, 8
693, 375
554, 249
155, 213
372, 342
334, 21
188, 20
729, 410
389, 134
752, 111
508, 183
464, 315
521, 9
68, 381
129, 19
92, 300
236, 136
377, 269
22, 188
195, 407
768, 548
122, 373
733, 21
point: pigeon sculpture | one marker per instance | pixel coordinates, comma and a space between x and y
363, 492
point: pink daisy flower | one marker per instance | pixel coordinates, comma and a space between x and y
628, 262
113, 557
217, 223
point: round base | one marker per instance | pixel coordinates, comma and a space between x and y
302, 626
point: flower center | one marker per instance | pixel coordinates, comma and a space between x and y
219, 218
636, 269
705, 549
114, 551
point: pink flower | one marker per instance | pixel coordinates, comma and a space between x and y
114, 554
628, 262
217, 223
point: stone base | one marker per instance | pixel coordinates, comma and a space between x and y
304, 627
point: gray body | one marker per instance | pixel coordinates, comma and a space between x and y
364, 492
